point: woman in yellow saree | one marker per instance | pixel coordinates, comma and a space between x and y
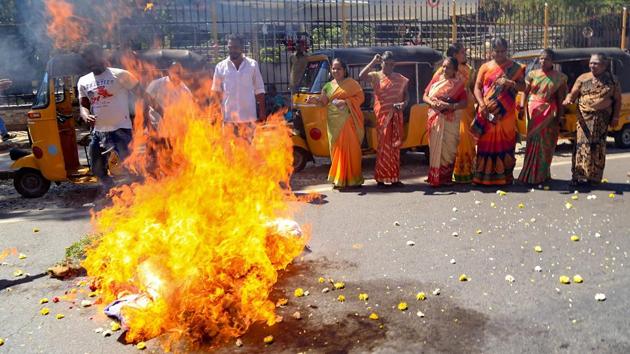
343, 97
445, 94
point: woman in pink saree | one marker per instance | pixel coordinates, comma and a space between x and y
445, 94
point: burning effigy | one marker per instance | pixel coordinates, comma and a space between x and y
192, 249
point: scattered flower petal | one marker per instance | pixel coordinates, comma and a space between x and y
501, 193
611, 195
604, 180
341, 298
477, 202
1, 342
59, 316
396, 223
297, 315
43, 300
45, 311
453, 261
509, 278
578, 279
339, 285
239, 342
92, 294
321, 280
411, 243
373, 316
463, 277
114, 326
141, 346
363, 297
592, 196
564, 279
574, 197
403, 306
600, 297
299, 292
18, 273
568, 205
478, 231
538, 268
268, 339
537, 249
420, 314
282, 302
436, 292
421, 296
454, 209
21, 256
521, 206
86, 303
36, 229
575, 238
325, 290
455, 234
493, 204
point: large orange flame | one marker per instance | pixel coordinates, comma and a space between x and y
64, 28
196, 236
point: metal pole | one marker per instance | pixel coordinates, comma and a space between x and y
546, 32
624, 28
214, 29
454, 25
344, 24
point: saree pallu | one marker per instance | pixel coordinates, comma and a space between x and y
443, 130
465, 157
345, 133
542, 136
589, 154
388, 91
495, 160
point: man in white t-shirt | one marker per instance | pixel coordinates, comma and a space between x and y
104, 95
166, 91
239, 85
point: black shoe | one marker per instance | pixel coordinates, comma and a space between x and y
398, 184
380, 185
8, 136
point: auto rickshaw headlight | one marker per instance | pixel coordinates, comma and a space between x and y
38, 152
315, 134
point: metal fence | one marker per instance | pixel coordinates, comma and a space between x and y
270, 25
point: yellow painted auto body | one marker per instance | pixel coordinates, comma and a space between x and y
27, 161
314, 117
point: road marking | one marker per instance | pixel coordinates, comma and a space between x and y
320, 188
12, 220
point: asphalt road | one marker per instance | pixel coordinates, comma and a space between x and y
363, 239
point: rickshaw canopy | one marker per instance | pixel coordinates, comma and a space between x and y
568, 54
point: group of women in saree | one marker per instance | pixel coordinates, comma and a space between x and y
468, 145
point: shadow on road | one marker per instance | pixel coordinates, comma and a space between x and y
4, 283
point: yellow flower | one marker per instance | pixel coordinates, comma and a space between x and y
521, 206
341, 298
339, 285
363, 297
141, 345
18, 273
299, 292
59, 316
321, 280
568, 205
1, 342
575, 238
114, 326
611, 195
45, 311
478, 232
21, 256
373, 316
421, 296
403, 306
604, 180
92, 294
574, 197
43, 300
501, 193
578, 279
537, 249
268, 339
564, 279
463, 277
493, 204
36, 229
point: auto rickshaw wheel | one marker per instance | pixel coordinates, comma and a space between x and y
300, 158
622, 137
30, 183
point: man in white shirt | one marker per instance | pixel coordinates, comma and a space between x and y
239, 85
104, 96
166, 91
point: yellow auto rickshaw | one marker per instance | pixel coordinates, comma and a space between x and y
573, 62
310, 133
54, 155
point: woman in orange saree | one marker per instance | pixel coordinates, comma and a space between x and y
390, 97
343, 97
495, 124
445, 94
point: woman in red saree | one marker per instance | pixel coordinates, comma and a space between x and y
390, 97
343, 97
445, 94
495, 124
545, 91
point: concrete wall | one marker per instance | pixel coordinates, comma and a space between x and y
14, 117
